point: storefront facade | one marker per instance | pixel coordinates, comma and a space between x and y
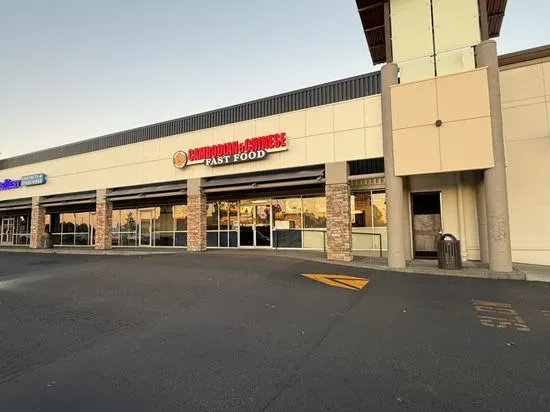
384, 161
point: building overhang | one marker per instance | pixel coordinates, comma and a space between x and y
374, 15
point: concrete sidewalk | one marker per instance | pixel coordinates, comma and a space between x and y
424, 266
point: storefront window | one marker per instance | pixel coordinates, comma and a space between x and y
361, 204
224, 215
71, 229
22, 230
180, 215
287, 213
315, 212
164, 226
369, 220
379, 209
124, 232
128, 220
55, 226
180, 218
116, 221
287, 220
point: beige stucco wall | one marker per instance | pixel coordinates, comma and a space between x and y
526, 115
462, 142
348, 130
420, 46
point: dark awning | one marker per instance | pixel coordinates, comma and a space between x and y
154, 190
253, 180
16, 204
68, 198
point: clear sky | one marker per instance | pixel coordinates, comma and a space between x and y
75, 69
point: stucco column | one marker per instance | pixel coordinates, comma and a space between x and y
496, 193
394, 184
482, 219
38, 224
338, 197
407, 219
196, 216
104, 221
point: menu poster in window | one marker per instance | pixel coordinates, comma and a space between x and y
282, 224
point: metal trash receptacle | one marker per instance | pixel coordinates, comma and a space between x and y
448, 252
48, 241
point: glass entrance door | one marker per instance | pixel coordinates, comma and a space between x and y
145, 228
7, 231
262, 228
255, 224
246, 224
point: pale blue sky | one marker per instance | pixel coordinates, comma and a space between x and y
75, 69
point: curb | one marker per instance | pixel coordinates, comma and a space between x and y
478, 273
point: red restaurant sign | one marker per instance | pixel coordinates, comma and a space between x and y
255, 148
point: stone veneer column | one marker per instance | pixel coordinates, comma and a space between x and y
496, 191
104, 221
196, 216
338, 198
38, 224
394, 184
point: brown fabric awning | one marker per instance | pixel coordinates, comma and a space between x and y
69, 198
265, 177
176, 188
16, 204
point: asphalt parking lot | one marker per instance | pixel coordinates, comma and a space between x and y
243, 332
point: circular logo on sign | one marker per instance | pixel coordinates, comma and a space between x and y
180, 159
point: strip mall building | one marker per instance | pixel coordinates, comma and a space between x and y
447, 137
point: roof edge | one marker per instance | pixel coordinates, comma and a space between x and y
523, 56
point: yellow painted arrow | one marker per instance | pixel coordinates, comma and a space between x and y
340, 281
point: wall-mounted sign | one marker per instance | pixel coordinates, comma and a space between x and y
256, 148
30, 180
33, 180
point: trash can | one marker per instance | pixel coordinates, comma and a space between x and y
48, 241
448, 252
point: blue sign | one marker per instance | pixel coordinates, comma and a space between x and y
8, 184
33, 180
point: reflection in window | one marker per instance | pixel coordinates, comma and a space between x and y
180, 215
128, 220
369, 216
82, 222
116, 221
287, 213
164, 221
361, 204
379, 209
222, 223
67, 220
315, 212
71, 229
212, 216
168, 229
